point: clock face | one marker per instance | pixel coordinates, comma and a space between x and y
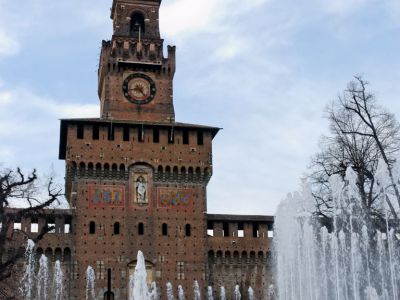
139, 88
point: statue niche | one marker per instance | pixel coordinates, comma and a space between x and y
140, 185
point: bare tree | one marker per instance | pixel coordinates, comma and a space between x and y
15, 186
361, 134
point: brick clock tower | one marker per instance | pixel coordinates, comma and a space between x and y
136, 179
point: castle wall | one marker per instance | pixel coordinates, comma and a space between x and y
239, 253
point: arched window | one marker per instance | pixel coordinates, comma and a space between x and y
67, 254
198, 173
39, 252
175, 173
106, 170
114, 169
98, 169
140, 229
90, 169
168, 171
164, 229
58, 254
116, 228
137, 23
190, 172
73, 168
92, 227
82, 169
49, 253
122, 171
188, 230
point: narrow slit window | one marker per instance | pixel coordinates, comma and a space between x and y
116, 228
92, 227
141, 229
96, 132
225, 229
80, 132
188, 230
210, 228
164, 229
185, 136
141, 134
200, 139
256, 231
156, 135
126, 133
171, 135
111, 132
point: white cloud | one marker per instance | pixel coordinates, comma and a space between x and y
182, 17
341, 7
231, 48
6, 97
37, 106
8, 45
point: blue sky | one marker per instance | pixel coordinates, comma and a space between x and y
262, 69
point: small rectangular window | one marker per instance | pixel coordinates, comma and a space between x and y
240, 229
200, 140
210, 228
256, 232
67, 224
53, 226
171, 135
156, 135
141, 134
185, 136
95, 132
225, 229
17, 226
126, 133
80, 132
34, 227
111, 132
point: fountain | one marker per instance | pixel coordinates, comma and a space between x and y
250, 293
27, 281
90, 284
181, 293
58, 281
153, 295
170, 292
349, 260
222, 293
43, 288
236, 293
140, 289
42, 278
210, 293
196, 291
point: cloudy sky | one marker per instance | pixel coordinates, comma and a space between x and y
261, 69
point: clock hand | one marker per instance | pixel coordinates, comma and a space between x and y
138, 89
